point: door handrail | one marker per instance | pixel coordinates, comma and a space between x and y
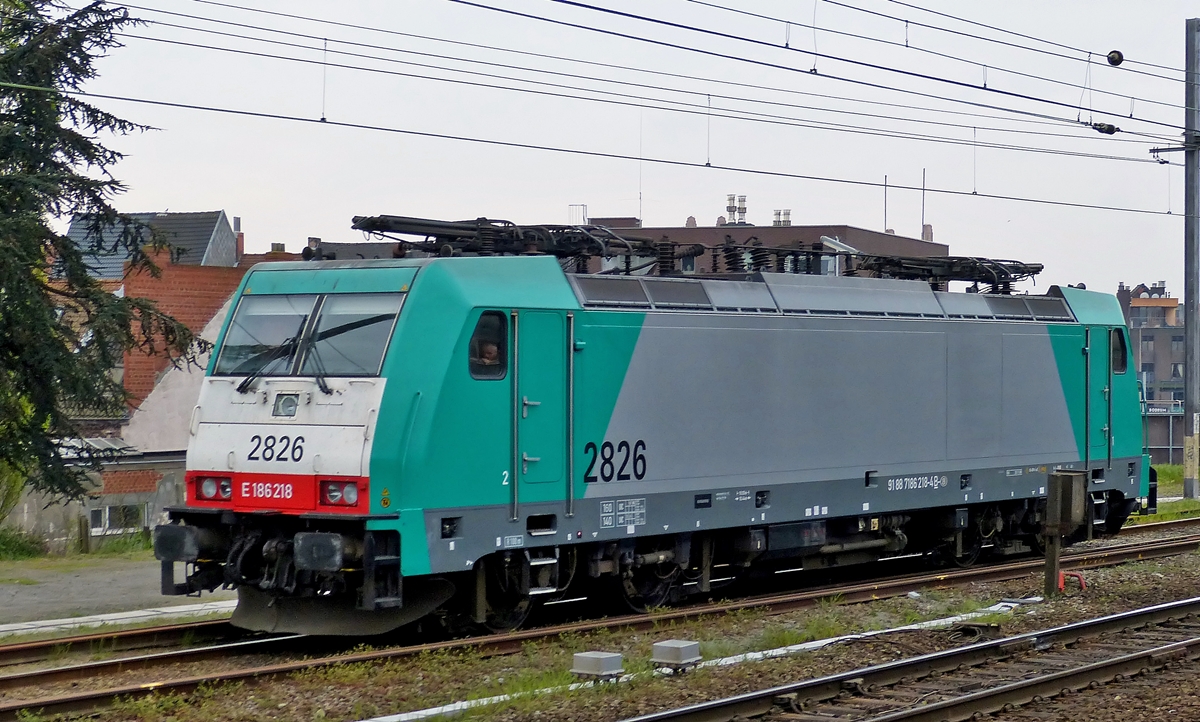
514, 511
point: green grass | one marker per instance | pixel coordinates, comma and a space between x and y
23, 581
1170, 511
1170, 479
127, 544
19, 545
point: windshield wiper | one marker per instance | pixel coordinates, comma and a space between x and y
353, 326
321, 373
284, 350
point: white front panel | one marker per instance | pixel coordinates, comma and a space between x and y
279, 449
237, 432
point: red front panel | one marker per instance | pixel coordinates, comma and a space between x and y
290, 492
287, 493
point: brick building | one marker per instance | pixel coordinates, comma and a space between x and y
826, 238
195, 288
1155, 321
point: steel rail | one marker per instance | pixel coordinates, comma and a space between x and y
499, 644
753, 704
264, 645
1028, 690
116, 641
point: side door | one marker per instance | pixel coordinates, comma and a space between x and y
1106, 356
540, 405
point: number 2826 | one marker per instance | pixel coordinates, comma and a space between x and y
271, 448
615, 461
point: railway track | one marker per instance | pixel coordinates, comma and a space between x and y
13, 700
110, 642
979, 679
215, 631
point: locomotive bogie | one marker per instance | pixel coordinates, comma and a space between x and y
478, 435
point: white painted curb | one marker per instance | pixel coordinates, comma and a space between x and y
138, 616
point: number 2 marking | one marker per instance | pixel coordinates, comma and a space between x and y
505, 482
588, 478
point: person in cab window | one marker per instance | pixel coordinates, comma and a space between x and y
487, 348
489, 354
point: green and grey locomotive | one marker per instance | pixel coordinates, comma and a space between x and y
377, 441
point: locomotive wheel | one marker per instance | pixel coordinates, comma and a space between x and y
508, 615
972, 548
646, 587
507, 606
1038, 544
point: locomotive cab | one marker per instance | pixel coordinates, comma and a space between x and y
278, 488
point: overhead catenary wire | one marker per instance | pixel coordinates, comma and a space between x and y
580, 151
1078, 58
1020, 116
778, 66
928, 51
1034, 38
708, 95
698, 109
641, 70
859, 63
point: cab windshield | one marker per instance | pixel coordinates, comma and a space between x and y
264, 335
309, 335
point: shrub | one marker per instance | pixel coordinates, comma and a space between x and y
19, 545
122, 544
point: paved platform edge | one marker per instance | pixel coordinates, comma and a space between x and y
137, 616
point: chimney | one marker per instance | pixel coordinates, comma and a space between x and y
240, 243
787, 217
731, 207
1124, 293
741, 209
777, 222
690, 222
278, 248
927, 232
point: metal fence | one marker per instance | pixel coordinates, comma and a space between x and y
1162, 422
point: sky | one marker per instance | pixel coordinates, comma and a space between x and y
638, 92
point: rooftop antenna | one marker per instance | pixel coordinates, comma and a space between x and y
922, 200
641, 128
708, 136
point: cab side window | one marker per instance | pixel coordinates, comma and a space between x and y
488, 352
1119, 353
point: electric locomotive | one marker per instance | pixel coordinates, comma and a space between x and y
465, 434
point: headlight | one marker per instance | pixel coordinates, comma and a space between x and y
226, 489
333, 492
339, 493
208, 488
286, 405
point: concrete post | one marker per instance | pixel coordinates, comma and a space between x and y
1068, 505
1191, 261
1053, 534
